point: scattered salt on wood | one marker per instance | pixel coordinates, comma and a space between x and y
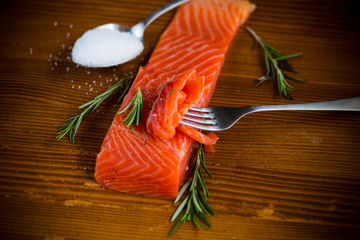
105, 47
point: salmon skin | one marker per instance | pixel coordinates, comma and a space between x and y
151, 160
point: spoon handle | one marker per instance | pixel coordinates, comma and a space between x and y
162, 10
138, 29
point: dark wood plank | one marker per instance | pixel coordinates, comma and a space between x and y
276, 175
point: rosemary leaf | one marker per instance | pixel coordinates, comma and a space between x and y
182, 191
134, 116
274, 64
202, 216
179, 209
288, 56
195, 220
205, 204
194, 203
72, 124
176, 225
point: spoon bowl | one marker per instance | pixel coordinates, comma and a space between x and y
113, 44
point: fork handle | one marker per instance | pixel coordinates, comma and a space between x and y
349, 104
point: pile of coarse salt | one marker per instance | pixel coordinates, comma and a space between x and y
104, 47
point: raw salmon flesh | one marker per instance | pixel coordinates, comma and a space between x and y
182, 71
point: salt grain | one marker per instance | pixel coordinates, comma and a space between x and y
31, 51
105, 47
70, 26
55, 24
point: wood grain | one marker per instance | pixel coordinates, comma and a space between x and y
276, 175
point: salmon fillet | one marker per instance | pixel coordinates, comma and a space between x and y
151, 160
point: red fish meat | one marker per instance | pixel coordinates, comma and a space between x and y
182, 71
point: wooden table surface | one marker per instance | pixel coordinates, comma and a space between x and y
284, 175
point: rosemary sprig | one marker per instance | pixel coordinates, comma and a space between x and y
274, 63
134, 116
194, 205
72, 124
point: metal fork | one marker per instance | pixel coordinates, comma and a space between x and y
222, 118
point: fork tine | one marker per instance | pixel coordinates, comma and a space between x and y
202, 115
199, 120
199, 109
199, 126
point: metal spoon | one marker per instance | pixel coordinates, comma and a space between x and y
136, 31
